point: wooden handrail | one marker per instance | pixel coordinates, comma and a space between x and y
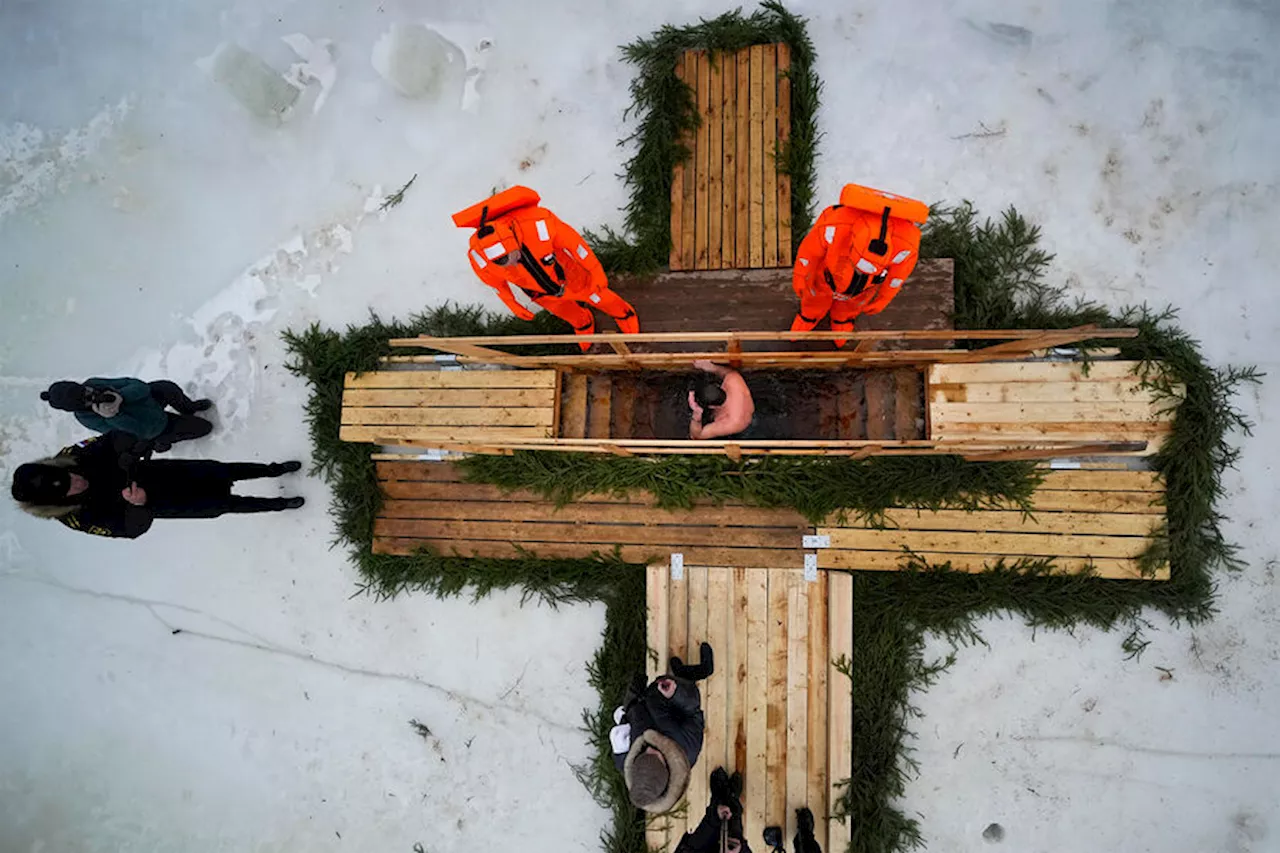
698, 337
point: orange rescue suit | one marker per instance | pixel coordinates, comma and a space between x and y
856, 257
520, 245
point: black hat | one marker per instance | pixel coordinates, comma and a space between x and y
38, 483
67, 396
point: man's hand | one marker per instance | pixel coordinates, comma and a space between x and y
724, 812
134, 494
704, 364
693, 404
524, 313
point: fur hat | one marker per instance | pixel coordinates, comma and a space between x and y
653, 787
32, 484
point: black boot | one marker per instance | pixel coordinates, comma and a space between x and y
203, 405
720, 793
773, 838
706, 665
276, 469
293, 503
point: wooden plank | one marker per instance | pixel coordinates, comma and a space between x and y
736, 672
755, 791
851, 405
784, 134
472, 417
677, 195
880, 405
762, 558
1115, 481
688, 248
715, 160
573, 411
579, 514
657, 833
729, 183
948, 414
421, 470
776, 705
391, 434
716, 689
1111, 568
1109, 501
600, 397
840, 703
703, 154
699, 788
797, 781
447, 398
1032, 371
453, 379
1007, 544
755, 181
816, 685
742, 164
1098, 523
671, 538
1118, 391
908, 404
943, 266
623, 406
678, 621
1063, 431
769, 165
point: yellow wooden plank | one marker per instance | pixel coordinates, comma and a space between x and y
453, 379
1117, 391
1008, 544
948, 414
715, 160
1031, 371
678, 608
755, 205
493, 417
704, 163
776, 706
797, 782
769, 165
716, 689
468, 435
699, 789
737, 661
840, 702
573, 402
816, 653
677, 195
1086, 431
448, 398
657, 620
1108, 501
1102, 481
742, 164
729, 184
688, 241
784, 134
756, 789
1112, 568
1100, 523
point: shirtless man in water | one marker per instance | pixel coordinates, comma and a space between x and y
726, 397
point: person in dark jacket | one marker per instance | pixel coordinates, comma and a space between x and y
721, 822
134, 407
804, 842
658, 735
100, 486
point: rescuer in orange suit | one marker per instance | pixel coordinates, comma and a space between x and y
518, 244
856, 257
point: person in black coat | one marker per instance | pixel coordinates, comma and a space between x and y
101, 486
804, 842
723, 816
658, 735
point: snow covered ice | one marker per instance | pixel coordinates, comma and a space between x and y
151, 225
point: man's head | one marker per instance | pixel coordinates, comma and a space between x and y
709, 394
495, 242
68, 396
667, 686
649, 777
44, 484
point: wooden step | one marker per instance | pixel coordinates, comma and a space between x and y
599, 406
881, 407
573, 405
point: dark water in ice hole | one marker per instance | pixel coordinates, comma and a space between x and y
788, 402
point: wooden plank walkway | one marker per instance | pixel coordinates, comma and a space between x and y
428, 505
425, 405
1026, 402
741, 300
777, 709
730, 206
1098, 518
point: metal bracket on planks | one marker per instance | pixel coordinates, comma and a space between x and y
435, 454
811, 567
815, 541
445, 358
677, 567
1063, 464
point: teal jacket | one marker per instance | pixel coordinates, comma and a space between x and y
140, 414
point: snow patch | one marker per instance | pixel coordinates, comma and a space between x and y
420, 63
317, 66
